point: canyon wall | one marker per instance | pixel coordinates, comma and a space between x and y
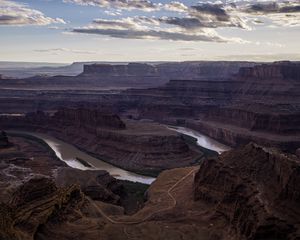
255, 205
258, 103
278, 70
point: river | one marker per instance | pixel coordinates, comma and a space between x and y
69, 154
202, 140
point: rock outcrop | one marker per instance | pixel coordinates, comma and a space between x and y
98, 185
37, 188
254, 190
32, 204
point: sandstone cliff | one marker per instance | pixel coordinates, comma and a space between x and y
278, 70
254, 190
32, 204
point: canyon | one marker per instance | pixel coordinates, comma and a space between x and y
226, 197
141, 147
259, 103
126, 115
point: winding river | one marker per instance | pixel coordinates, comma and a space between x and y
202, 140
69, 154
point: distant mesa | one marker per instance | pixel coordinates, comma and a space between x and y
131, 69
278, 70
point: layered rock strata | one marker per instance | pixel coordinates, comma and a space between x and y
258, 104
36, 187
254, 191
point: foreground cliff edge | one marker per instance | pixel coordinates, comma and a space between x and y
229, 197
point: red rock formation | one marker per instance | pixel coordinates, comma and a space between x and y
254, 190
32, 204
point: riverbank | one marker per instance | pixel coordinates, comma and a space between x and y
69, 154
208, 144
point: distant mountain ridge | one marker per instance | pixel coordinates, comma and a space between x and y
30, 69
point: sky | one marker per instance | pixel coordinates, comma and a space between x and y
66, 31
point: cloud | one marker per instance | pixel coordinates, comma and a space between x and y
286, 13
143, 5
274, 7
12, 13
150, 28
152, 34
189, 23
57, 51
215, 10
259, 57
175, 6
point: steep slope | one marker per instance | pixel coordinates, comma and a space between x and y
254, 191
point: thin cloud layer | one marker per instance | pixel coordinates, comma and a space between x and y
153, 34
12, 13
57, 51
143, 5
153, 28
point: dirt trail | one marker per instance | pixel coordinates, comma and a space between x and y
174, 202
